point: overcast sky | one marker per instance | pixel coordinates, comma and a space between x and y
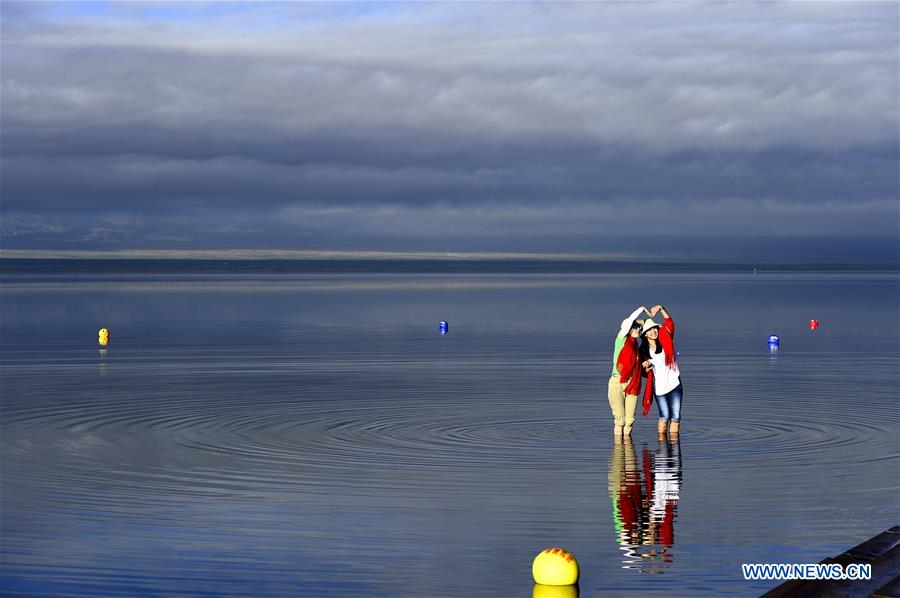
729, 130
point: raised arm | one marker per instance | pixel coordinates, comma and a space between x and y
668, 324
626, 323
659, 308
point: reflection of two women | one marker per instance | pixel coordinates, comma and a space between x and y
645, 499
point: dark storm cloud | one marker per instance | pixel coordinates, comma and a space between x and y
523, 173
492, 122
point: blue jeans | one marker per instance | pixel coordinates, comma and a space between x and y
669, 404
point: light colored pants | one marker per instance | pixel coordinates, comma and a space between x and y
622, 404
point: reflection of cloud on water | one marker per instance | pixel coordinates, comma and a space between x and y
292, 283
645, 498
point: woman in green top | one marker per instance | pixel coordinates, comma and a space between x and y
622, 394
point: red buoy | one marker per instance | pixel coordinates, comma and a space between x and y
813, 324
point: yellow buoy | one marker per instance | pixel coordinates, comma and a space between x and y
103, 337
555, 567
542, 591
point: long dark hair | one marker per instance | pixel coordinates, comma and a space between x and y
644, 349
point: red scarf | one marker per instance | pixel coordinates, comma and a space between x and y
667, 340
629, 366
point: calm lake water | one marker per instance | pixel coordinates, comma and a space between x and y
316, 435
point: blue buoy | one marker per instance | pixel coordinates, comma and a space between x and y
773, 339
444, 326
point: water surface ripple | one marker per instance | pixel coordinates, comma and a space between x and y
313, 451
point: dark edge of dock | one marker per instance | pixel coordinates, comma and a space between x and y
882, 552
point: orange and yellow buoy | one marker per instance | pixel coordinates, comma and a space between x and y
555, 567
103, 337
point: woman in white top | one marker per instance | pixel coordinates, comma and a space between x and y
663, 376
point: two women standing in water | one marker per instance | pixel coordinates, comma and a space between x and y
655, 359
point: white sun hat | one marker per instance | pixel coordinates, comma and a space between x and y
648, 324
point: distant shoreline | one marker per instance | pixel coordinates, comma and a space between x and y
411, 265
